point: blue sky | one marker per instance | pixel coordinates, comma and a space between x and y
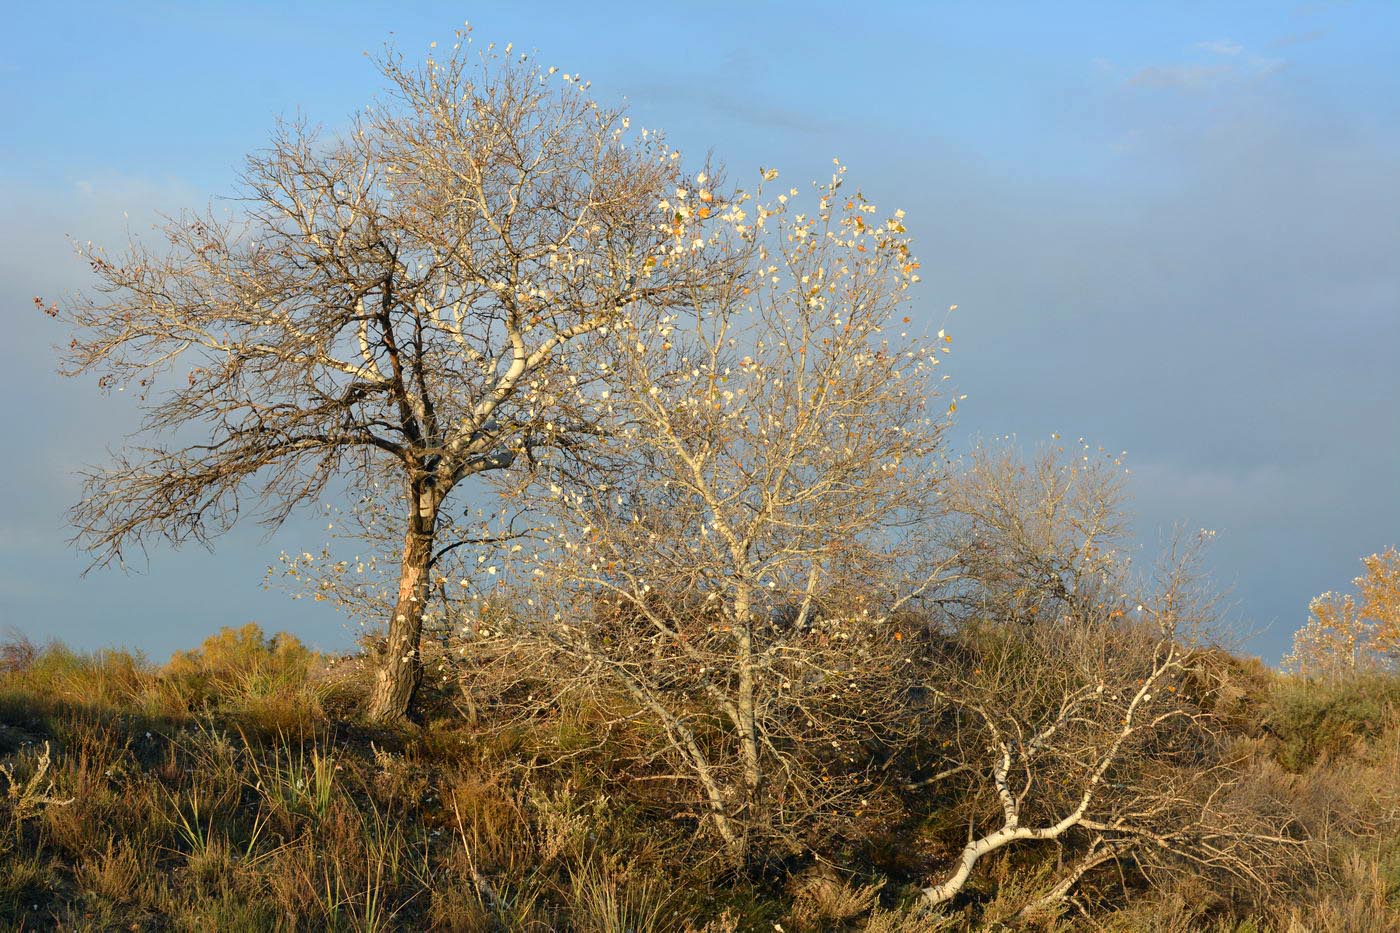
1170, 228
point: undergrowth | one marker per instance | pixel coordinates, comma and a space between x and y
234, 789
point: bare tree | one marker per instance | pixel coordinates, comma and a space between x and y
738, 573
1031, 537
392, 305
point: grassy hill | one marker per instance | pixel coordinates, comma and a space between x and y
233, 788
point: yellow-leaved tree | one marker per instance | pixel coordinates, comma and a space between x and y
1380, 603
1352, 634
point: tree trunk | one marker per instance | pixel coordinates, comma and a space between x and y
401, 665
747, 719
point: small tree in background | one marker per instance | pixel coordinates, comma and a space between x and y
1033, 538
1379, 588
1345, 637
388, 311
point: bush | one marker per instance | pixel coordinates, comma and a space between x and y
269, 680
243, 659
1318, 720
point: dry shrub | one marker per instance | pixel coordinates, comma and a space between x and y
822, 898
396, 777
726, 922
1363, 899
120, 874
1326, 719
266, 680
29, 794
293, 881
910, 921
603, 896
458, 906
562, 825
1181, 907
17, 652
106, 679
489, 823
21, 879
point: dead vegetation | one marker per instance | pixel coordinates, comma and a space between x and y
234, 788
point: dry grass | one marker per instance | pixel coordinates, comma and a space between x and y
225, 791
220, 792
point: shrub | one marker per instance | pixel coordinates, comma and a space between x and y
268, 679
1314, 720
